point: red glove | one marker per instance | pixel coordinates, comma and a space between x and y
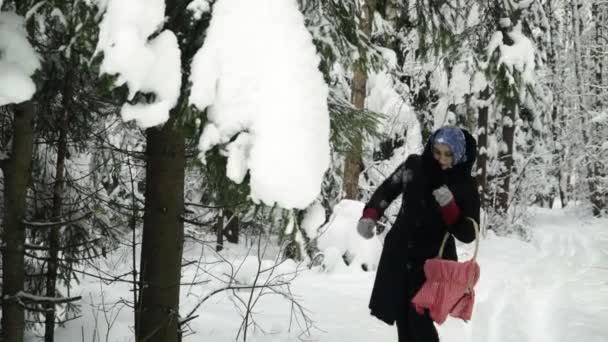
370, 213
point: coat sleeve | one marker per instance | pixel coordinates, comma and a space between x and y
391, 188
469, 204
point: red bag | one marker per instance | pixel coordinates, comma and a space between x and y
448, 288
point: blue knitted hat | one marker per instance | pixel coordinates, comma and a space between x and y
454, 138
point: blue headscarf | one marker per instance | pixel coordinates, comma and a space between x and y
454, 138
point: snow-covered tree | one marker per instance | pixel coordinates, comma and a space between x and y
18, 61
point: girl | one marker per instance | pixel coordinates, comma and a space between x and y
438, 193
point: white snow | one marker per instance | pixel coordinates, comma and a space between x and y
198, 8
599, 117
56, 13
473, 16
551, 289
238, 153
314, 217
258, 73
149, 66
34, 9
494, 43
517, 57
460, 83
400, 122
524, 4
18, 60
146, 115
340, 233
401, 118
479, 82
504, 22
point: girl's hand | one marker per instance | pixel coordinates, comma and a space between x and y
365, 227
443, 195
449, 210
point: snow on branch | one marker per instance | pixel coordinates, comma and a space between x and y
144, 65
27, 297
18, 60
257, 75
55, 224
520, 56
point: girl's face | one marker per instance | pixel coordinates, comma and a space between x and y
443, 155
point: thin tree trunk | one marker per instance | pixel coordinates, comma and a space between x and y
232, 226
509, 107
482, 146
506, 156
133, 226
598, 199
227, 225
588, 175
556, 104
51, 275
16, 175
219, 231
353, 164
58, 189
163, 234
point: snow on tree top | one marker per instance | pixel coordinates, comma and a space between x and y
18, 60
150, 66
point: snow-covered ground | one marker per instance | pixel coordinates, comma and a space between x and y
553, 288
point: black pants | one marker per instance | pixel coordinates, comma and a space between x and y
416, 328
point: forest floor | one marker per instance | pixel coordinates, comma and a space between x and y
552, 288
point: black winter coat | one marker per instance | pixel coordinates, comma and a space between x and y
419, 228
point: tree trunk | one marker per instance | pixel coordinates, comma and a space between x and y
219, 232
51, 276
598, 197
163, 234
163, 231
353, 164
587, 169
556, 104
482, 146
58, 189
232, 223
506, 156
16, 175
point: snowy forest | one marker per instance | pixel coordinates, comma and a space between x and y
194, 170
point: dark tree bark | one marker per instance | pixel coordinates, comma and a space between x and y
16, 175
219, 232
162, 244
227, 225
232, 226
590, 175
598, 197
556, 104
506, 157
58, 189
157, 316
482, 146
510, 106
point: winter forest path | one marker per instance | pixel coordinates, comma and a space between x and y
553, 288
550, 290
